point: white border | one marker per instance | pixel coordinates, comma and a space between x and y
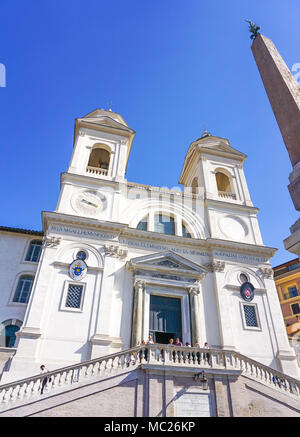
63, 306
245, 326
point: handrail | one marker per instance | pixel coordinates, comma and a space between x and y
159, 354
71, 367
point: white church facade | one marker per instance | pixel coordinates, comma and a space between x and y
119, 261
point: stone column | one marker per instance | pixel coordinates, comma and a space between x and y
137, 319
195, 317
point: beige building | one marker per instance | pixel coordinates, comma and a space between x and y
287, 280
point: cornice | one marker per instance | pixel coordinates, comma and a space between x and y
231, 205
87, 223
88, 180
122, 230
214, 243
224, 153
105, 127
164, 270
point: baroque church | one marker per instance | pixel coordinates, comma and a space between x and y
119, 261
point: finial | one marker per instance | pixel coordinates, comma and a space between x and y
109, 106
253, 29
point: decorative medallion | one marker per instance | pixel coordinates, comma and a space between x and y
247, 291
78, 270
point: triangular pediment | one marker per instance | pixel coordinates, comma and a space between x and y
216, 144
107, 119
169, 262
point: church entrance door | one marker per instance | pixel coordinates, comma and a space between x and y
165, 318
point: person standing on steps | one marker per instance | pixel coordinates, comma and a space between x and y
45, 380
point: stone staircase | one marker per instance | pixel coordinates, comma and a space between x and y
159, 356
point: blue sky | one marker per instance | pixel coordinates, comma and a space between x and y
170, 68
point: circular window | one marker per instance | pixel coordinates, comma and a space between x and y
81, 255
243, 278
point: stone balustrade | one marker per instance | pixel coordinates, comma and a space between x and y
226, 195
97, 171
154, 354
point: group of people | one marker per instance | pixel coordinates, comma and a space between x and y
190, 356
196, 355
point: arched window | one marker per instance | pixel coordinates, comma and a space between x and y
164, 224
195, 186
185, 232
223, 182
23, 289
8, 331
34, 251
143, 224
99, 158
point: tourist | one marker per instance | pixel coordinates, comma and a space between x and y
187, 344
206, 356
276, 380
45, 380
179, 344
171, 343
141, 351
197, 345
150, 340
132, 358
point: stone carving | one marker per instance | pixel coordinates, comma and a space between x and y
253, 29
266, 272
115, 251
216, 266
139, 285
194, 289
168, 263
51, 241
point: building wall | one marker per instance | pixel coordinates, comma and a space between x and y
13, 249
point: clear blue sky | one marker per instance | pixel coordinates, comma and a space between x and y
170, 68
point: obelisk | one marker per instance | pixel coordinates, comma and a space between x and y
284, 95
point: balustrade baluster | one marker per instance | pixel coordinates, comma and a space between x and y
123, 361
13, 393
61, 379
6, 395
27, 392
102, 367
21, 391
54, 380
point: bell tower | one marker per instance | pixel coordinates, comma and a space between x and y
213, 171
102, 144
